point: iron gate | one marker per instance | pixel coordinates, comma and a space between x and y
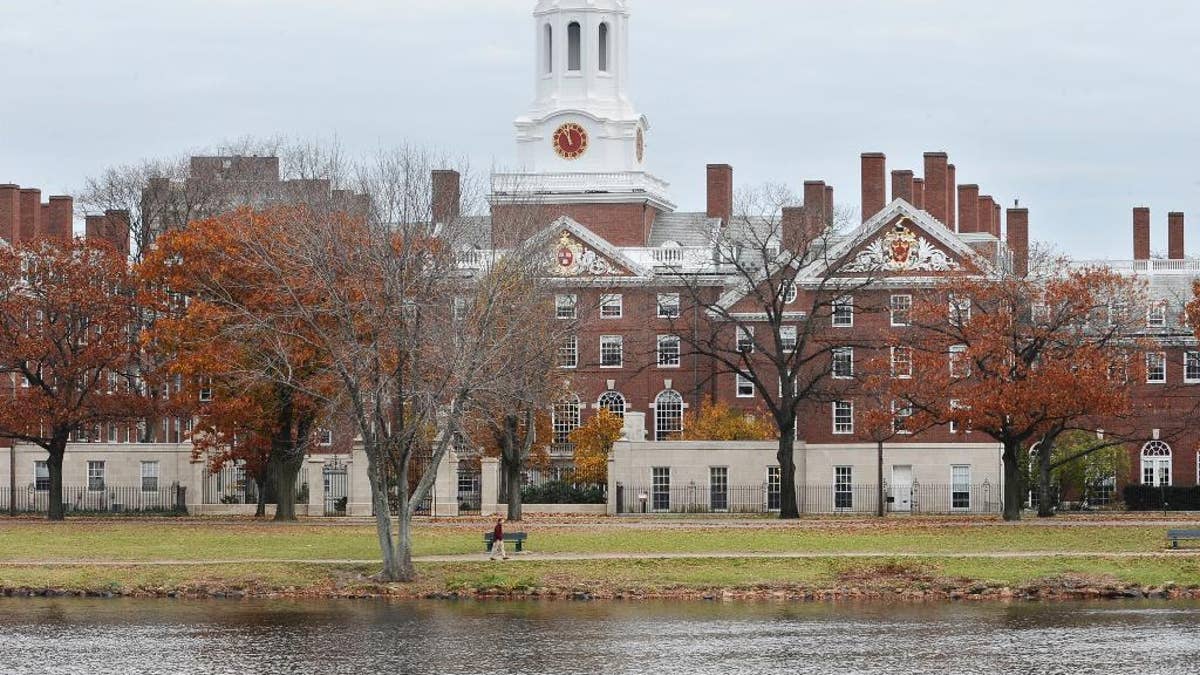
337, 492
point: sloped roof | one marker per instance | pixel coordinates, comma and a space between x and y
685, 229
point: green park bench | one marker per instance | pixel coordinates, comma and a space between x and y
1175, 536
509, 537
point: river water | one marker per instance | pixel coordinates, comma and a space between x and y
268, 638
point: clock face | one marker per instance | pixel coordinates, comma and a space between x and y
570, 141
641, 145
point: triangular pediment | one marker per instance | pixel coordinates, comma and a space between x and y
902, 240
578, 252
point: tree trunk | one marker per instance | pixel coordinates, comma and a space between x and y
1013, 488
788, 508
512, 472
55, 462
286, 472
261, 498
1046, 508
881, 510
383, 516
402, 554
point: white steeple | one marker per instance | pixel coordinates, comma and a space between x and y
582, 135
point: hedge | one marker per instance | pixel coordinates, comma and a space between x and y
558, 492
1150, 498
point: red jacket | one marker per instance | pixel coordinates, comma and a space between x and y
498, 533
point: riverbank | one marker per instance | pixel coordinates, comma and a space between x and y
901, 560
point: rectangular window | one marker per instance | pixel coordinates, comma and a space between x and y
206, 392
612, 351
901, 310
1156, 368
843, 490
668, 305
960, 367
41, 476
568, 353
661, 488
959, 310
325, 438
787, 336
843, 312
112, 433
611, 306
745, 388
960, 487
1156, 316
901, 415
718, 488
668, 351
843, 417
955, 426
902, 363
774, 488
149, 476
1191, 368
459, 311
745, 339
95, 476
564, 306
843, 363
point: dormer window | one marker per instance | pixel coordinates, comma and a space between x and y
603, 44
549, 46
574, 47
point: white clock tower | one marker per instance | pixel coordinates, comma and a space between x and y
581, 140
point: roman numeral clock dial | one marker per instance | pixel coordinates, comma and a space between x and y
570, 141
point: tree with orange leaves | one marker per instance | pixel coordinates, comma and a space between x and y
594, 440
1023, 359
716, 421
66, 313
260, 375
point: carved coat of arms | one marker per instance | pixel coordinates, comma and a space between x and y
572, 259
901, 250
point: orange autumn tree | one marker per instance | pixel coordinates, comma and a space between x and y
594, 440
1023, 359
716, 421
260, 375
66, 351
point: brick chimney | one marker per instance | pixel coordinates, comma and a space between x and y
829, 203
31, 214
60, 223
10, 212
997, 221
902, 185
814, 200
720, 192
874, 184
987, 215
936, 185
447, 195
1141, 233
1018, 240
919, 193
951, 196
968, 208
1175, 248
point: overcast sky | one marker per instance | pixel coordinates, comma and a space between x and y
1080, 109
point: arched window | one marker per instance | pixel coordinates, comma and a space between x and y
574, 47
613, 402
1156, 464
603, 48
549, 47
566, 418
668, 416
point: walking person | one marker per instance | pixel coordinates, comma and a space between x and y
498, 540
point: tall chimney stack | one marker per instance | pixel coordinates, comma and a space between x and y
902, 185
447, 195
874, 184
10, 212
814, 202
720, 192
919, 193
936, 185
60, 223
829, 203
987, 214
31, 214
968, 208
1175, 247
1018, 240
1141, 233
997, 221
951, 195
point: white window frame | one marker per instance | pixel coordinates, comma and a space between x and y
661, 434
206, 392
845, 357
846, 426
1156, 314
610, 397
900, 414
566, 416
325, 438
1159, 464
960, 367
954, 485
612, 341
789, 336
743, 386
900, 303
95, 472
843, 488
149, 470
664, 356
745, 340
1161, 359
789, 290
959, 310
842, 312
660, 487
568, 353
774, 488
1191, 369
665, 302
908, 371
566, 306
40, 467
612, 306
718, 475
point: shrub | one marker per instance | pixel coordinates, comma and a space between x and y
559, 492
1150, 498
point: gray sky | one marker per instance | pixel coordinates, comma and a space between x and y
1081, 109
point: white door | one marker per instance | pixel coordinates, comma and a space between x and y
902, 488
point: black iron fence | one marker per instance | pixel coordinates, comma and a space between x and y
820, 499
108, 499
232, 484
561, 486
